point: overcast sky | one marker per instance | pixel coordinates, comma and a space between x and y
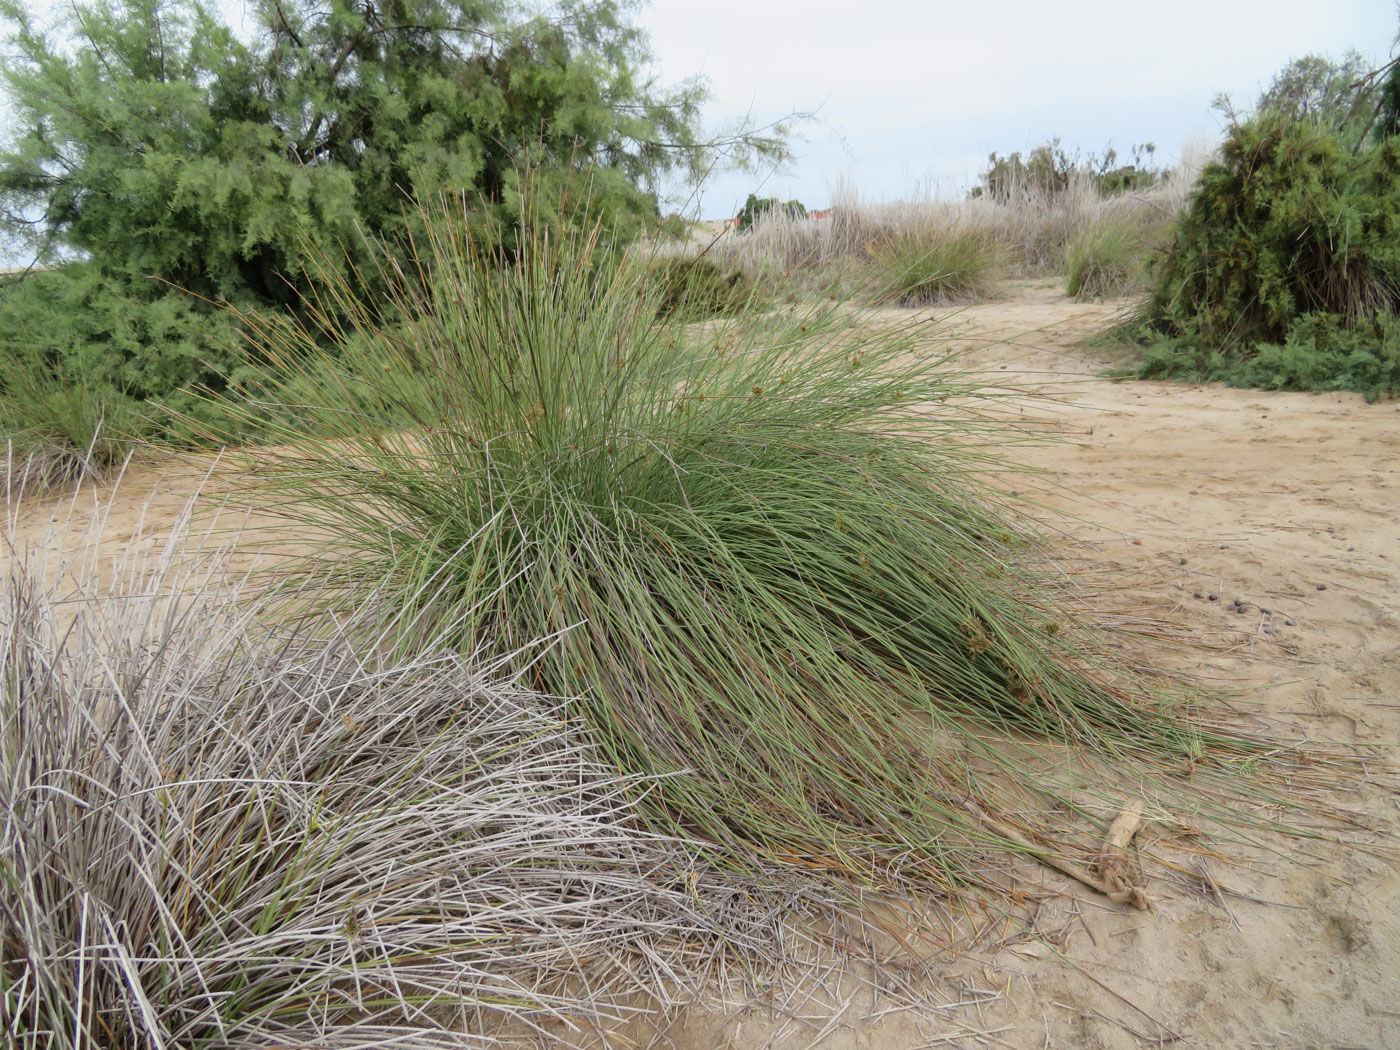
908, 93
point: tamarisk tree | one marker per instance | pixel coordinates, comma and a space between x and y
152, 139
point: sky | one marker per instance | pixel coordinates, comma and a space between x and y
911, 97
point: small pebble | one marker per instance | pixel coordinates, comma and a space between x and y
1239, 609
1288, 622
1181, 561
1264, 610
1215, 597
1351, 548
1224, 546
1197, 594
1322, 586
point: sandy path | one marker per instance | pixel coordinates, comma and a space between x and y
1265, 498
1189, 490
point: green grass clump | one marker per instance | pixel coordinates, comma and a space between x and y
917, 267
1107, 257
695, 287
1284, 271
58, 429
771, 575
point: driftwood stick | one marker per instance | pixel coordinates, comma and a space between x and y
1111, 874
1124, 827
1113, 864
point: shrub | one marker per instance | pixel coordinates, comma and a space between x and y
1049, 170
919, 267
770, 584
1319, 353
89, 361
755, 208
1290, 236
673, 227
217, 833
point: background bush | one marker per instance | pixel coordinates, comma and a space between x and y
1286, 265
145, 140
85, 353
757, 208
1049, 170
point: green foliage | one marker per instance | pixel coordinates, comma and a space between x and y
140, 337
1319, 353
755, 208
89, 360
57, 428
697, 287
1358, 104
1291, 240
149, 141
1285, 270
1388, 106
158, 143
918, 267
1320, 90
764, 579
1050, 170
674, 227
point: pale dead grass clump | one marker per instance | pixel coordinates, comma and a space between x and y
220, 828
865, 246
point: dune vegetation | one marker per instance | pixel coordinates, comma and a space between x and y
656, 604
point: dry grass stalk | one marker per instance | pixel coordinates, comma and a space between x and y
1033, 228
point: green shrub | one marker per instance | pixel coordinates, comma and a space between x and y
766, 580
673, 227
92, 364
696, 287
1291, 242
918, 267
1319, 353
755, 208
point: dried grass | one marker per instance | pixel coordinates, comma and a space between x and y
1031, 228
219, 833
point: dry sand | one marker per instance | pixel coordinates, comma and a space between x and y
1184, 490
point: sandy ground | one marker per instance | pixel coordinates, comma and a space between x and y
1198, 496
